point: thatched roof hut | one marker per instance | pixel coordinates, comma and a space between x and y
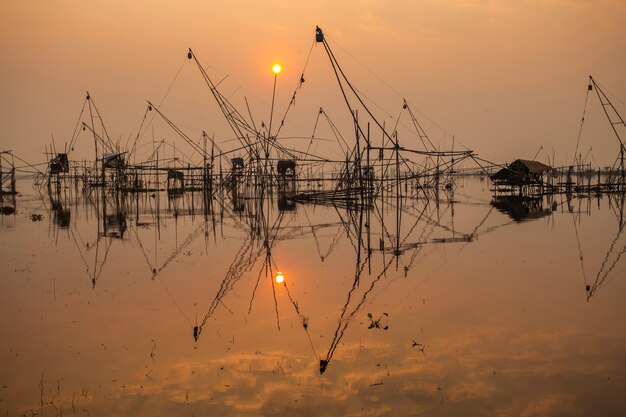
521, 172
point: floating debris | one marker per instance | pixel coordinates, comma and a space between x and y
420, 347
375, 324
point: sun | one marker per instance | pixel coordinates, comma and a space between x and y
277, 68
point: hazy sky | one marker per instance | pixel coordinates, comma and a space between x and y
504, 77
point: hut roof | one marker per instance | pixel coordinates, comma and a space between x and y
532, 166
520, 172
503, 173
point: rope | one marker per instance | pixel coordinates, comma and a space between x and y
345, 321
293, 97
139, 134
317, 119
77, 128
602, 273
305, 325
582, 121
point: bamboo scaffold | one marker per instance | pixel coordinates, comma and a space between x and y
376, 158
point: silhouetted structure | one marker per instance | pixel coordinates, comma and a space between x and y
520, 207
522, 173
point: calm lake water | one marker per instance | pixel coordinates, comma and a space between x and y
149, 306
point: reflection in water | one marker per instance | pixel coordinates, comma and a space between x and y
520, 207
7, 184
614, 253
437, 274
7, 204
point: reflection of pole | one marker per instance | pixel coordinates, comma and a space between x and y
398, 200
136, 200
104, 206
621, 210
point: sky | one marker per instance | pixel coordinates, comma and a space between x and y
507, 79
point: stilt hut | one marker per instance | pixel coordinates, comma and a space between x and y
286, 169
59, 164
522, 173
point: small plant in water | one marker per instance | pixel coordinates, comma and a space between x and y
375, 324
36, 217
420, 347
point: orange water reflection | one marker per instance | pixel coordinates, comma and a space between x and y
479, 313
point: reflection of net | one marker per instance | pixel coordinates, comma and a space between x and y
604, 271
315, 238
305, 320
580, 250
182, 247
345, 319
97, 268
242, 262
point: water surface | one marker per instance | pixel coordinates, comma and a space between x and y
463, 305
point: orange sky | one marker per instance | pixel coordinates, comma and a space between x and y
505, 77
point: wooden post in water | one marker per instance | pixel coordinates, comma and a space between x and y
204, 173
12, 174
621, 188
102, 174
397, 148
370, 171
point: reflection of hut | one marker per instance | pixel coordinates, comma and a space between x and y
521, 173
286, 204
62, 216
115, 225
520, 207
175, 180
238, 202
